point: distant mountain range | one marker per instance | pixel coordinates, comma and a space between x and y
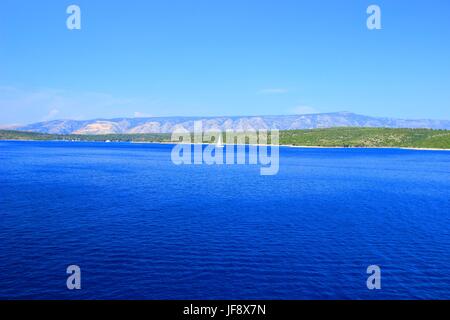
169, 124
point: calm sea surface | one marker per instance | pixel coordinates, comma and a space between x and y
141, 227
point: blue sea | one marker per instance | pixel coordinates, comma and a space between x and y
141, 227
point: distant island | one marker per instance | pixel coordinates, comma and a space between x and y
347, 137
235, 123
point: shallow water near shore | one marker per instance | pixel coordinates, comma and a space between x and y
141, 227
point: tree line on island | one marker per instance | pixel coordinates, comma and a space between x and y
330, 137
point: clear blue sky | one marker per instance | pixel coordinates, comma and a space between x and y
223, 57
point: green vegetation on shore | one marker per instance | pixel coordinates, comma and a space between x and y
332, 137
368, 137
22, 135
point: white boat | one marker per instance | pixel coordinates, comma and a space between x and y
219, 143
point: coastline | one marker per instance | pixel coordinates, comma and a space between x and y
225, 144
302, 147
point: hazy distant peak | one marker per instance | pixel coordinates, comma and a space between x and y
238, 123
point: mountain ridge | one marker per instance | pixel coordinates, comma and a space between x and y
223, 123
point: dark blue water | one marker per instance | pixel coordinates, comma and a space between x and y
141, 227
